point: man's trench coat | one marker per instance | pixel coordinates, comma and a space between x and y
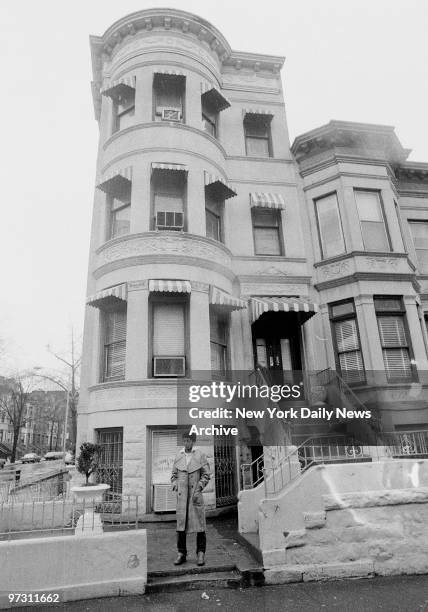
190, 480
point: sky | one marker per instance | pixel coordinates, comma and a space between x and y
359, 60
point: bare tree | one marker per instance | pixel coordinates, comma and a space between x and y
13, 402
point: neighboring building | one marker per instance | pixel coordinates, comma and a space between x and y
216, 246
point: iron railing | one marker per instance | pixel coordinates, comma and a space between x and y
406, 443
23, 519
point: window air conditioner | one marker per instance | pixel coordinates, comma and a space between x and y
169, 220
164, 498
169, 366
171, 114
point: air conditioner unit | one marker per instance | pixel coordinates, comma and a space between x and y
169, 366
164, 498
171, 114
166, 220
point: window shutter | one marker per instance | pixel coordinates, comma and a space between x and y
168, 330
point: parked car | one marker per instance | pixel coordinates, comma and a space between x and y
30, 458
69, 458
53, 456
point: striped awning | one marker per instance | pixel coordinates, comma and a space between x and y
108, 296
214, 96
169, 72
116, 182
118, 87
258, 111
267, 200
169, 286
259, 305
225, 300
175, 167
218, 186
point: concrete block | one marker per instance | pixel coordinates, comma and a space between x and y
295, 538
328, 571
104, 565
283, 575
314, 520
274, 557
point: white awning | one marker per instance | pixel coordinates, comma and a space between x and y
118, 87
267, 200
218, 186
214, 96
116, 181
225, 300
169, 72
259, 305
170, 286
258, 111
108, 296
175, 167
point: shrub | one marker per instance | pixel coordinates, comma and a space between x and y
88, 460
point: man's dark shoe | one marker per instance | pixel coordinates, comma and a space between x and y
180, 559
201, 558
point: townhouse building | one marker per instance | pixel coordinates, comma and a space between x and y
217, 247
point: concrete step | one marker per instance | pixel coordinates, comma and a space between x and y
191, 581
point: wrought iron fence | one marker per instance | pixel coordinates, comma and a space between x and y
23, 519
407, 443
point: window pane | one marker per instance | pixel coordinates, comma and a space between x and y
120, 222
115, 360
267, 241
368, 206
125, 120
420, 234
330, 228
397, 363
346, 335
168, 202
392, 332
351, 366
265, 218
388, 303
256, 128
115, 345
213, 225
259, 147
339, 310
374, 236
168, 330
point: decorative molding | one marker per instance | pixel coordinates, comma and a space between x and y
277, 278
163, 125
376, 263
368, 276
270, 258
255, 289
137, 285
201, 287
334, 270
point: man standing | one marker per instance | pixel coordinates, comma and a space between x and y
190, 475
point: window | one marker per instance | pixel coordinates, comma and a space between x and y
168, 97
400, 224
419, 230
346, 341
329, 226
373, 229
267, 233
394, 338
218, 341
114, 344
124, 108
169, 190
169, 347
213, 216
120, 217
258, 135
209, 118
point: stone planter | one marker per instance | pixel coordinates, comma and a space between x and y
89, 522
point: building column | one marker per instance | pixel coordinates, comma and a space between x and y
416, 336
196, 223
140, 198
193, 102
144, 97
200, 350
370, 340
137, 326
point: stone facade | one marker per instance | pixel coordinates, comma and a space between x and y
128, 61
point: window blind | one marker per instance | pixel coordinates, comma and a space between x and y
115, 345
394, 346
168, 330
164, 450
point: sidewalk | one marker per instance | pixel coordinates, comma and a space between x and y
223, 549
391, 594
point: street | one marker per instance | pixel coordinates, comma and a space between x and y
392, 594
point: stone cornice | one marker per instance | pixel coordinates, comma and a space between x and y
368, 140
337, 158
274, 278
389, 254
368, 276
413, 172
